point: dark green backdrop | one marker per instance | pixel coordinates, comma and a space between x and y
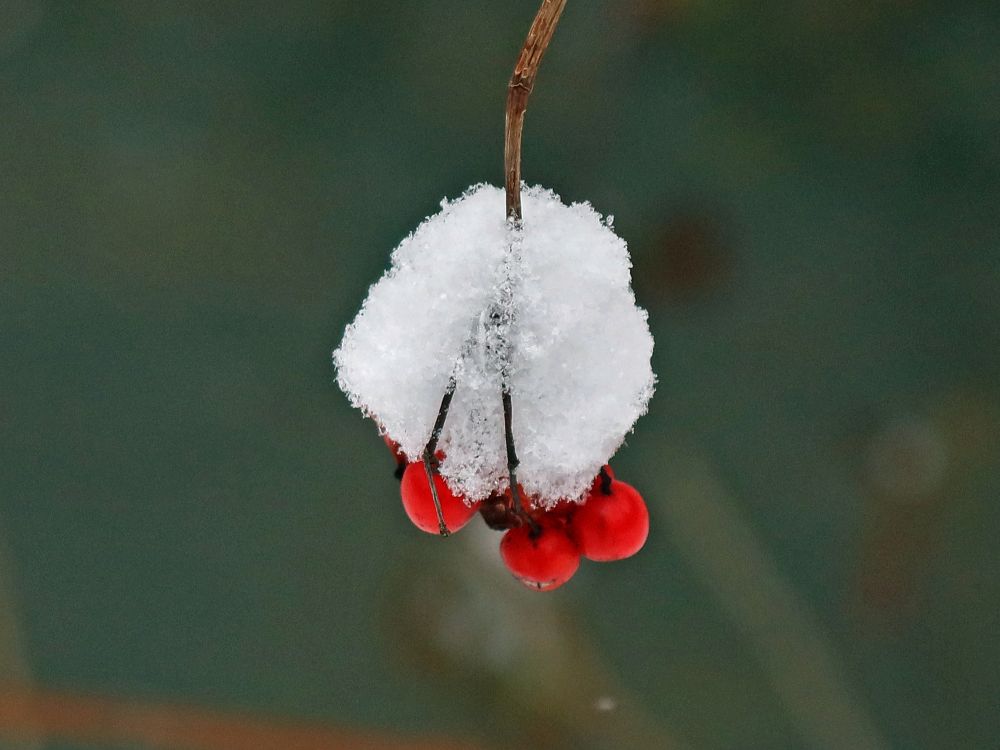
193, 200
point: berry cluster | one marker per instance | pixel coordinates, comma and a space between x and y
541, 547
468, 295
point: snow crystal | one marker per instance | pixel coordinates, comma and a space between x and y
549, 308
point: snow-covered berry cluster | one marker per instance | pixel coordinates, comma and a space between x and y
486, 333
541, 547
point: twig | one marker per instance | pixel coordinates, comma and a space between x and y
430, 460
518, 90
522, 81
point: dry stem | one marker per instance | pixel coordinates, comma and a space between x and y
518, 90
522, 81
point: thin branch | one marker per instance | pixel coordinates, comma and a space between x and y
518, 90
522, 81
430, 460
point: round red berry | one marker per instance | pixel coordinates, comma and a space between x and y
419, 504
543, 557
563, 510
613, 526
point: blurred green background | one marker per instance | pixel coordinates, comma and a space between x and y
194, 197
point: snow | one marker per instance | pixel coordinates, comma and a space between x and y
565, 333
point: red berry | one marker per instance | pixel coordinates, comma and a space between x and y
542, 559
562, 510
419, 504
611, 527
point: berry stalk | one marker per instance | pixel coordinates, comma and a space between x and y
430, 460
522, 82
519, 88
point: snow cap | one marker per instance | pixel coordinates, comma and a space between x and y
548, 308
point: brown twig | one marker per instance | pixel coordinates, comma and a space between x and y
522, 81
430, 459
518, 90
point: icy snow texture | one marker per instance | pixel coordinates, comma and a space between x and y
573, 344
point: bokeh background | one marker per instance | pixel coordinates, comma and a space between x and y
201, 544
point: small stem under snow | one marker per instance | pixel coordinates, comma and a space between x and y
605, 481
430, 460
522, 81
